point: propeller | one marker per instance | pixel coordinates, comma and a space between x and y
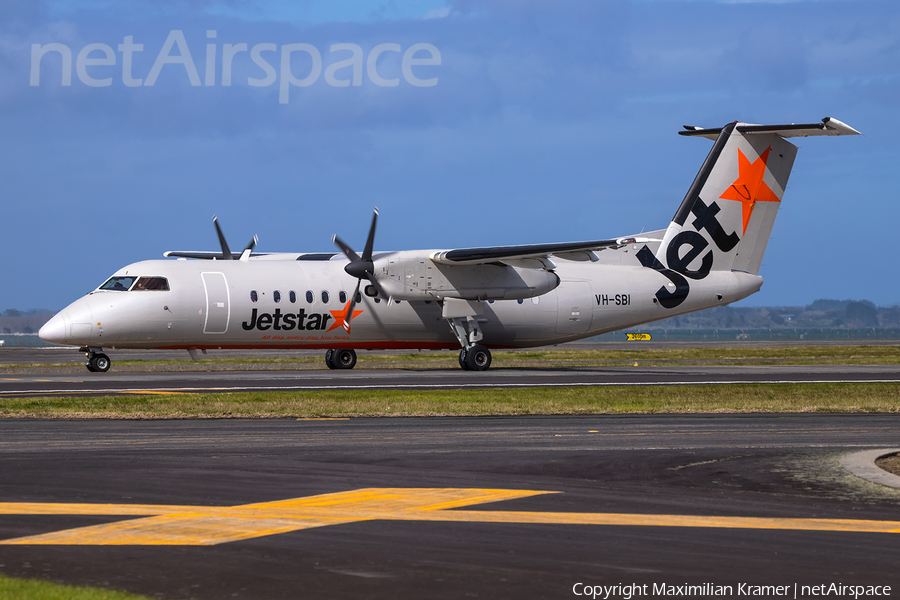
361, 267
226, 251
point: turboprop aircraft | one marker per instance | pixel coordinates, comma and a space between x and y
474, 299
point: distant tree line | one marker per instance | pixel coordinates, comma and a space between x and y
821, 314
24, 321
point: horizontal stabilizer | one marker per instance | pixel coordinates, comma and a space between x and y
828, 126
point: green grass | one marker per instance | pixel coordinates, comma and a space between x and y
848, 397
26, 589
815, 397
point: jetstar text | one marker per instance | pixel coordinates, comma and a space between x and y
280, 321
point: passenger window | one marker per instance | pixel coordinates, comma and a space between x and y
276, 295
120, 284
358, 297
292, 296
324, 297
342, 296
520, 301
254, 296
309, 297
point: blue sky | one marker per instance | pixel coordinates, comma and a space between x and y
548, 122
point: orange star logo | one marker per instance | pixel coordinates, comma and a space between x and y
339, 317
749, 187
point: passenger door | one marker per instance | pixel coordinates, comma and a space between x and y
218, 303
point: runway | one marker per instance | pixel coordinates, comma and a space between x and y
186, 377
445, 507
431, 378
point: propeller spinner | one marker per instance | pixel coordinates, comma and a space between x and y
361, 267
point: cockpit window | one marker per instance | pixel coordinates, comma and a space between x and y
151, 284
118, 283
144, 284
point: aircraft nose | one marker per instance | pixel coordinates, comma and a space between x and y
54, 330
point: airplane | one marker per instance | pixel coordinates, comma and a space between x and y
471, 299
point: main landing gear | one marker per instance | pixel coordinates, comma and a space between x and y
341, 358
473, 356
97, 362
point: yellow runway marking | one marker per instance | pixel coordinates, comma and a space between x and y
210, 525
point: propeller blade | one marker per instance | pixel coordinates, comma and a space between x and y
351, 304
226, 251
252, 243
370, 241
353, 256
361, 267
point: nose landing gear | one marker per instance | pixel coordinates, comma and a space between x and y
97, 362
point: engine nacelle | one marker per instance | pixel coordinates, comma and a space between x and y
414, 276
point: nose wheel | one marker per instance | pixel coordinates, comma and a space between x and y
97, 362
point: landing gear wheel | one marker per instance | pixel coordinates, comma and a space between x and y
462, 360
342, 358
478, 358
98, 363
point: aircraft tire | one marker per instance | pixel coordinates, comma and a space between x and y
344, 358
99, 363
462, 360
478, 358
329, 359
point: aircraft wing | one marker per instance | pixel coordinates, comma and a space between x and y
828, 126
208, 255
533, 256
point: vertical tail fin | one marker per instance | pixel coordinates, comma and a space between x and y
726, 218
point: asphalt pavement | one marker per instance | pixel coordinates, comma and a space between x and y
517, 507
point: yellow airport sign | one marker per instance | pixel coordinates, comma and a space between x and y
637, 337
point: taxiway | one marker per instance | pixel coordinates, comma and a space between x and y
445, 507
